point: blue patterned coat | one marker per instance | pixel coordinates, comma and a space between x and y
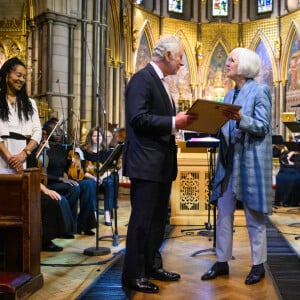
252, 158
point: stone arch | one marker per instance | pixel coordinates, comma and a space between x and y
293, 32
260, 37
214, 71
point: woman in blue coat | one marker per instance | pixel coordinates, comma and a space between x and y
244, 165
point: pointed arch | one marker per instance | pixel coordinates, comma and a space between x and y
190, 55
218, 41
292, 36
214, 75
143, 37
255, 44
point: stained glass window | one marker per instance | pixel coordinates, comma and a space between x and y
220, 8
264, 6
175, 6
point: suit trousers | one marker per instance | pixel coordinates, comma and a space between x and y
224, 229
149, 212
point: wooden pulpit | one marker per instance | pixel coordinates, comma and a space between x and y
20, 229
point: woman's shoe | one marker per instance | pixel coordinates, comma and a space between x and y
107, 218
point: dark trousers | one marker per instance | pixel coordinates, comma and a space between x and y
72, 195
87, 204
149, 212
56, 218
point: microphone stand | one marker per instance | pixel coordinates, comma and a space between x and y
97, 251
112, 160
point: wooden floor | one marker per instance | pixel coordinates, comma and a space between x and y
67, 282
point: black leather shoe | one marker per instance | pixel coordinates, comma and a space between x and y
219, 268
107, 223
66, 236
89, 232
141, 285
163, 275
51, 247
256, 274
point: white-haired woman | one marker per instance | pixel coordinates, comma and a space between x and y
244, 165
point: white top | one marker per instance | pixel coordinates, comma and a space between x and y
31, 128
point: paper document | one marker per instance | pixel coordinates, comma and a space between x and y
204, 139
210, 115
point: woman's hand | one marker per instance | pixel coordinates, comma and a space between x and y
52, 194
232, 114
16, 161
69, 181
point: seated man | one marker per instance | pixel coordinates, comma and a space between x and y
288, 180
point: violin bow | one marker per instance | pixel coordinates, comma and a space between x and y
59, 122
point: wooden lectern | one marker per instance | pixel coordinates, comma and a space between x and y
20, 233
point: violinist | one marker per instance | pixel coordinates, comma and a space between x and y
92, 153
82, 192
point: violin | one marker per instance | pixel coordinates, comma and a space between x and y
75, 170
91, 167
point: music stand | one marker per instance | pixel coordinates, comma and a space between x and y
209, 230
111, 163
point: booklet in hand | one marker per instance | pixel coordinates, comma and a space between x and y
210, 115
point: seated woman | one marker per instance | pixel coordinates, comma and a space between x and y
56, 218
74, 190
108, 182
288, 180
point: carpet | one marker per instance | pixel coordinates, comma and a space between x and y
283, 263
108, 285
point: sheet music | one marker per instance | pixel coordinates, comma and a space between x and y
205, 139
210, 115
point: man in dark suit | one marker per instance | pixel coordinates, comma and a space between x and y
150, 161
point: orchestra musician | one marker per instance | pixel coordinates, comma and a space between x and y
95, 150
56, 218
80, 192
56, 215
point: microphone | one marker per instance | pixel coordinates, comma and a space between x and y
296, 105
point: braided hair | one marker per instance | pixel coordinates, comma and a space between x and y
23, 103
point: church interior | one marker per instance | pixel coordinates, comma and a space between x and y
80, 56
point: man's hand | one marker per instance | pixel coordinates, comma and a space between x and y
182, 120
